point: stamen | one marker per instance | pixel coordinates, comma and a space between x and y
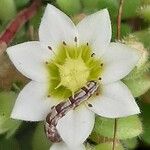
58, 65
80, 54
92, 54
102, 64
90, 105
87, 44
58, 86
46, 62
75, 39
64, 43
49, 47
48, 95
67, 53
100, 78
97, 93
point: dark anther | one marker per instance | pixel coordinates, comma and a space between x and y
92, 54
75, 39
102, 64
48, 96
90, 105
87, 44
100, 78
49, 48
46, 62
97, 93
64, 43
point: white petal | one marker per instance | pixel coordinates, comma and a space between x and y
119, 60
63, 146
32, 103
29, 58
76, 125
115, 101
96, 30
56, 27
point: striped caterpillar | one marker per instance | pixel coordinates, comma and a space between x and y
60, 110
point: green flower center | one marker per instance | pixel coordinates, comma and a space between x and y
74, 73
70, 69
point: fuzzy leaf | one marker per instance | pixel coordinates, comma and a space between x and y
138, 86
130, 144
145, 13
144, 37
108, 146
145, 2
127, 127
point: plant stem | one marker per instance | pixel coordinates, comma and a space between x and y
119, 19
115, 133
21, 18
118, 38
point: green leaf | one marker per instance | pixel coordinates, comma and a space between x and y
127, 127
8, 125
108, 146
2, 122
130, 8
125, 30
111, 5
70, 7
145, 109
144, 13
7, 9
35, 21
138, 86
21, 3
145, 2
10, 144
130, 144
91, 6
7, 100
40, 141
144, 37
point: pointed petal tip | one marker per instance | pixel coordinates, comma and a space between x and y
116, 101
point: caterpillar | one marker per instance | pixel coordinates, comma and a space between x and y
60, 110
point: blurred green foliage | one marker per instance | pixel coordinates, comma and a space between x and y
18, 135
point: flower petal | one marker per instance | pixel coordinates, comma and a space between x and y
115, 101
76, 125
63, 146
56, 27
96, 30
119, 60
29, 58
32, 103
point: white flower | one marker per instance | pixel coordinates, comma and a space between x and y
115, 100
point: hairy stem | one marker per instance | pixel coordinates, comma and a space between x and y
119, 19
21, 18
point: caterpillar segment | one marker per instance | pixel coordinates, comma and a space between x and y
60, 110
